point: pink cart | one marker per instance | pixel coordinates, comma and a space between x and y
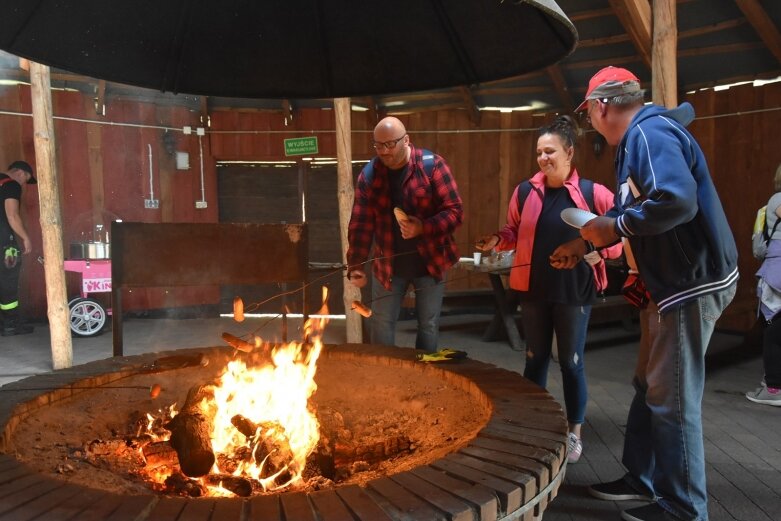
87, 315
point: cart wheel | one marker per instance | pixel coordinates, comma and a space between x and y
87, 317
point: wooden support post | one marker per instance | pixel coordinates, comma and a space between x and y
51, 217
346, 193
664, 69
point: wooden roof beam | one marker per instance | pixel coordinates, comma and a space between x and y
760, 21
664, 66
635, 16
204, 112
287, 111
100, 99
560, 86
375, 109
470, 105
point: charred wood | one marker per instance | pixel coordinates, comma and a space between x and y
191, 432
160, 454
242, 487
244, 425
183, 486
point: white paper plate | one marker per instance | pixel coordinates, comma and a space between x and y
576, 217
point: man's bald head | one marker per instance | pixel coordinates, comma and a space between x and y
391, 142
390, 126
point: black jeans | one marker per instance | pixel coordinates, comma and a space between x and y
771, 352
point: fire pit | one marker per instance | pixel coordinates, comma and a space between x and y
507, 465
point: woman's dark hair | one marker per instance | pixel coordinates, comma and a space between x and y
563, 126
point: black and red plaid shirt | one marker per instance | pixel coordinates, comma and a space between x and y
434, 200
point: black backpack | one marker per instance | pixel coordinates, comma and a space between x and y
428, 166
586, 188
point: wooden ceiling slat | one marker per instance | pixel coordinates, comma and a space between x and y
607, 40
590, 15
759, 19
715, 28
720, 49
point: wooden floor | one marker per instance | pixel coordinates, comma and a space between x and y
742, 439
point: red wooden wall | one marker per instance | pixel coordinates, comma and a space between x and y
104, 166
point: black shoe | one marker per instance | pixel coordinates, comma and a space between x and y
652, 512
618, 490
22, 329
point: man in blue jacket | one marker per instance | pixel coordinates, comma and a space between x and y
675, 233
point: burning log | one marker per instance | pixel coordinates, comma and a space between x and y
191, 433
244, 425
271, 448
136, 442
160, 454
183, 486
242, 487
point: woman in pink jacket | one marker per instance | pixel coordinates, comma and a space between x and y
556, 288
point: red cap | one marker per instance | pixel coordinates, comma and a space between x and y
609, 83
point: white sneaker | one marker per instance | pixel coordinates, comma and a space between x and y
766, 395
574, 448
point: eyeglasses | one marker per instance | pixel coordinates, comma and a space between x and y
592, 105
388, 145
588, 112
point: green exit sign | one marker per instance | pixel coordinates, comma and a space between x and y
299, 146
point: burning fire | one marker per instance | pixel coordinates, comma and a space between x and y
262, 427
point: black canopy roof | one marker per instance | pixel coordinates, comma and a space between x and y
289, 48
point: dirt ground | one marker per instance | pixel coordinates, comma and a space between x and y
82, 440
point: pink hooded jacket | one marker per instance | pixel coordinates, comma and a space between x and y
518, 233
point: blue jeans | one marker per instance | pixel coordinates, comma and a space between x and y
663, 448
540, 320
387, 304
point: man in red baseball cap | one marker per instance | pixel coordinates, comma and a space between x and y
609, 83
671, 221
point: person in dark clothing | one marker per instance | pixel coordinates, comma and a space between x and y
415, 248
14, 241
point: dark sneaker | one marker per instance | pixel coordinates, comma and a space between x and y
22, 329
618, 490
652, 512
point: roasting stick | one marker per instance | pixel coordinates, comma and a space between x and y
154, 389
365, 311
360, 307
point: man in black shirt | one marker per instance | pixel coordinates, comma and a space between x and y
13, 241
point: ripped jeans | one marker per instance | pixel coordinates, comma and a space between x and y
540, 320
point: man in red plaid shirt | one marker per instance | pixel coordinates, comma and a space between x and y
414, 250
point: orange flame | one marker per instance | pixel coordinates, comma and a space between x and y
275, 398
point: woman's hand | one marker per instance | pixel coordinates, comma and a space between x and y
487, 242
